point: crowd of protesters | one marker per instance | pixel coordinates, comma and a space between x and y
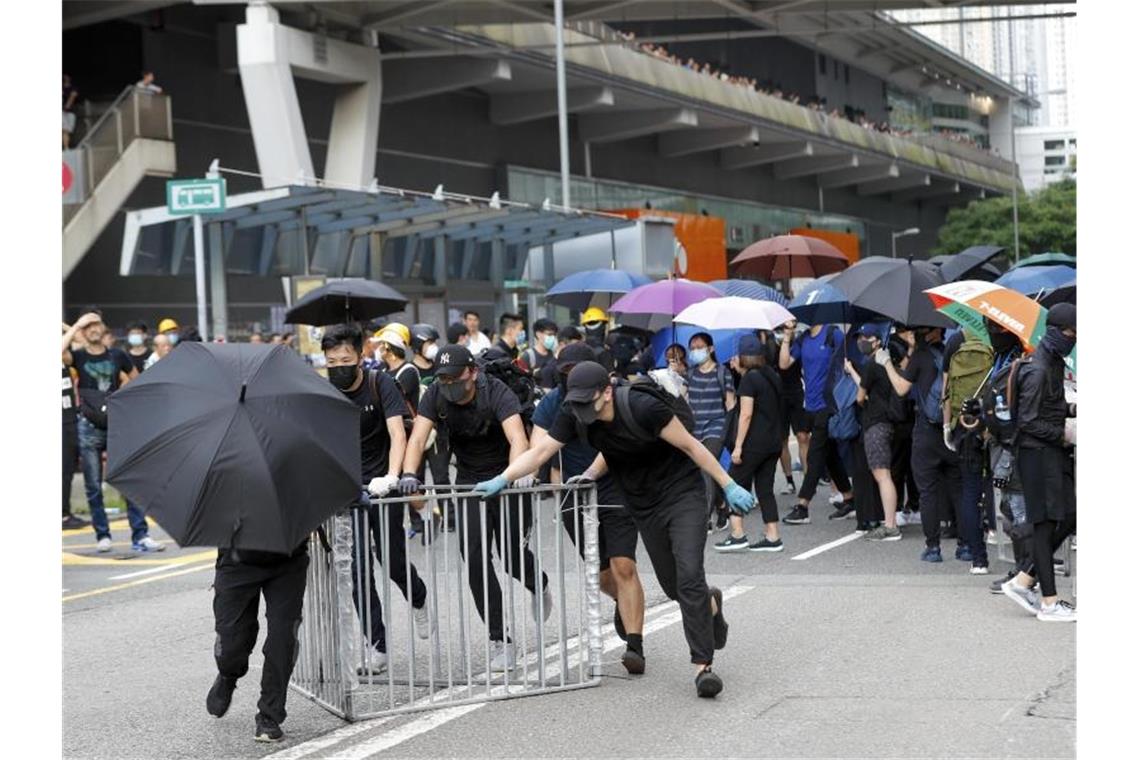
688, 448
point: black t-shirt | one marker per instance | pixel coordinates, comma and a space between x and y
762, 386
69, 417
952, 345
475, 430
646, 473
375, 409
538, 367
792, 380
921, 371
874, 380
100, 372
140, 360
407, 377
511, 351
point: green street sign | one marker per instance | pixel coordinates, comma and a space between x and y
195, 196
516, 284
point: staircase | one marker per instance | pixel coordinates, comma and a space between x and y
132, 140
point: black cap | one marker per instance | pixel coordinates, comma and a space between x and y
1062, 315
572, 354
750, 345
452, 360
455, 331
584, 381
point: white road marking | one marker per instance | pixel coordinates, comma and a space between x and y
149, 570
663, 616
830, 545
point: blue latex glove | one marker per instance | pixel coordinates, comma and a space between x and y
491, 487
738, 497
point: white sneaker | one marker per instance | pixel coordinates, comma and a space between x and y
425, 627
148, 544
375, 662
991, 538
789, 488
1059, 612
979, 570
547, 605
1026, 598
103, 546
835, 498
502, 656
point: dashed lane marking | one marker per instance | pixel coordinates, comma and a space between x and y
139, 582
828, 546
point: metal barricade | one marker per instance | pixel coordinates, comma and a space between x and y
1004, 550
366, 576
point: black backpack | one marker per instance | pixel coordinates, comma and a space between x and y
999, 403
676, 404
518, 380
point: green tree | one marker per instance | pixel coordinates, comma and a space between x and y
1047, 221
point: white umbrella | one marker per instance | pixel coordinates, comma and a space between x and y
735, 313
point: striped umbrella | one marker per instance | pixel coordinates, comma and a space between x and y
750, 289
971, 302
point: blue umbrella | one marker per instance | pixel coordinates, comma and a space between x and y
724, 341
750, 289
594, 287
1031, 281
821, 303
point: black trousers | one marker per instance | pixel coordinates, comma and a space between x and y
674, 533
393, 555
901, 473
756, 472
238, 587
936, 471
822, 453
439, 462
70, 458
868, 501
1047, 477
502, 512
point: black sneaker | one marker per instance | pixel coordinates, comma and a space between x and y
995, 587
219, 696
764, 545
844, 510
266, 729
798, 516
708, 683
634, 662
720, 625
731, 544
71, 522
721, 519
619, 626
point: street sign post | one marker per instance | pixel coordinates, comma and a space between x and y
197, 197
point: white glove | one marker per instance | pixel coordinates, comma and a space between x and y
947, 432
526, 481
382, 486
882, 356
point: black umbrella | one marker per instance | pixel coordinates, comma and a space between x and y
234, 445
970, 264
346, 301
894, 288
1063, 294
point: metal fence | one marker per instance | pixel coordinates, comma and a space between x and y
369, 585
1004, 546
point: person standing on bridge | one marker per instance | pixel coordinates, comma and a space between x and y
657, 464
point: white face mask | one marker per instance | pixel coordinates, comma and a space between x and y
430, 352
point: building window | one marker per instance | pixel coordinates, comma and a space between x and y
1072, 142
823, 64
1054, 160
1054, 145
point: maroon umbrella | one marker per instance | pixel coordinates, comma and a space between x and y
786, 256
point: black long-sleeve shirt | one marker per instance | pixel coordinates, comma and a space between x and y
1041, 405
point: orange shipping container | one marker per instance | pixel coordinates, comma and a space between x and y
844, 241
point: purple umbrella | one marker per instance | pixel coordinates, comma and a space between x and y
652, 307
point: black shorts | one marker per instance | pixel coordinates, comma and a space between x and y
617, 534
792, 415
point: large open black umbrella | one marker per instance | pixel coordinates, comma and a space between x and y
234, 445
346, 301
894, 288
972, 263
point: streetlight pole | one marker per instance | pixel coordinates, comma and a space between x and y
563, 128
901, 233
1013, 145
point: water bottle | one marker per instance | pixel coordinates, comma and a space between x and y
1001, 410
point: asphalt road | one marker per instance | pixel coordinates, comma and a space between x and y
859, 650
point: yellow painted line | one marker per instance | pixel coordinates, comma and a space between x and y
139, 582
76, 559
94, 545
110, 523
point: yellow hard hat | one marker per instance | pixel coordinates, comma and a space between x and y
167, 324
400, 329
593, 314
392, 338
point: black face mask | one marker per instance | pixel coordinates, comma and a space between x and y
455, 392
343, 377
866, 347
1003, 341
1056, 342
